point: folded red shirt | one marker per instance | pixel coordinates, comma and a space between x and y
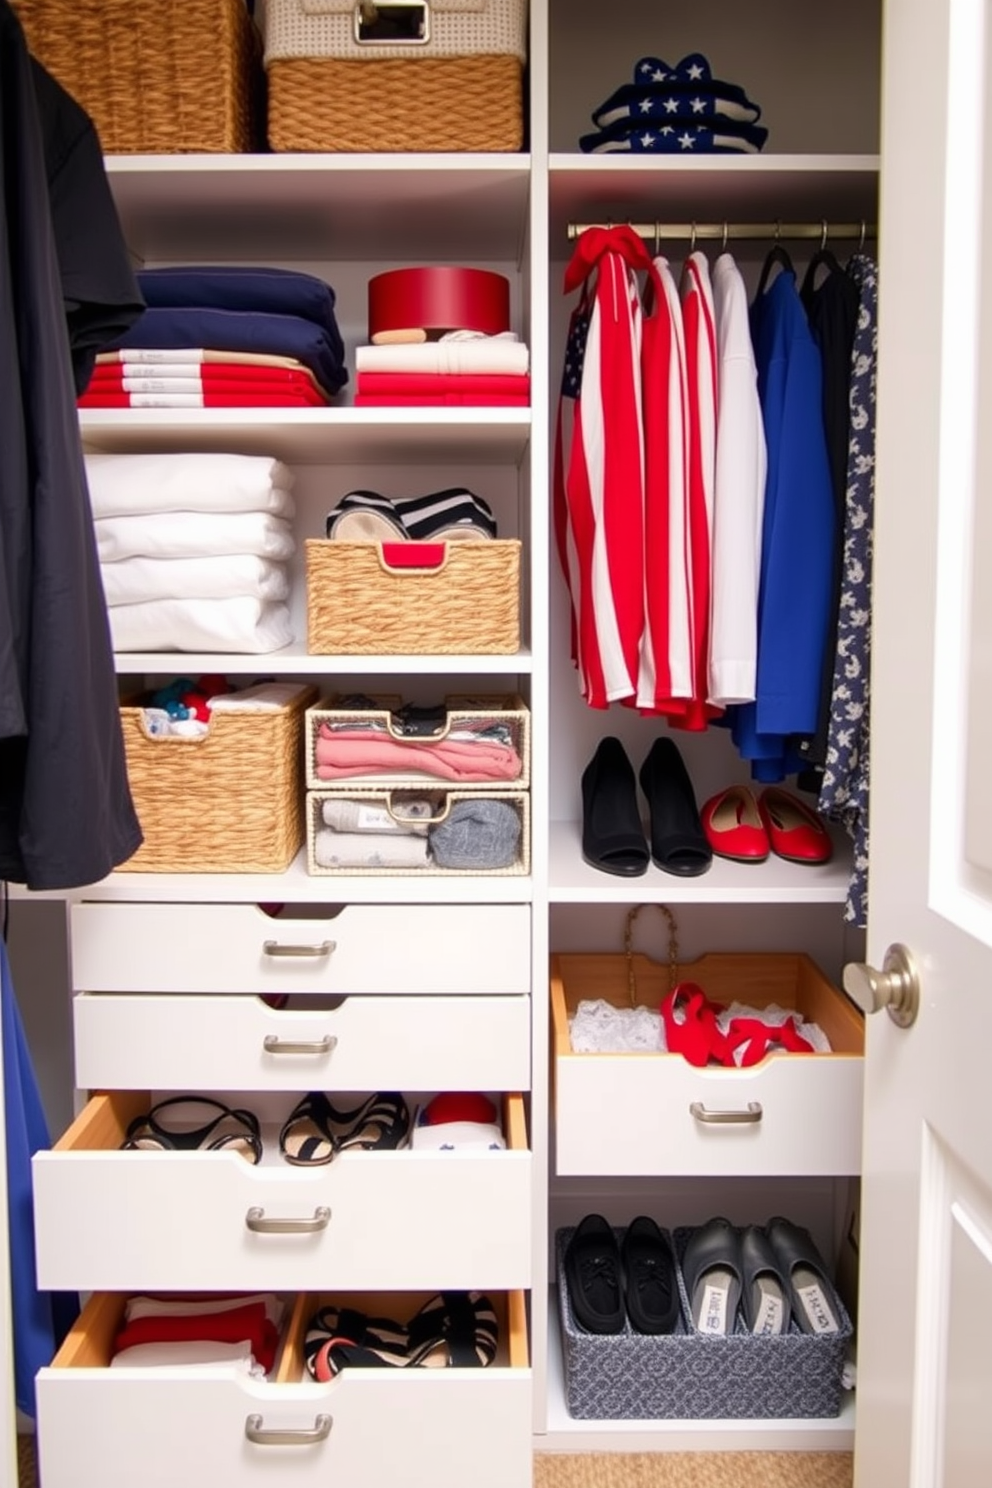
417, 384
440, 400
213, 397
237, 1325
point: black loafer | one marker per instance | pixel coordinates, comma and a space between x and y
711, 1269
612, 835
765, 1294
650, 1289
678, 842
592, 1272
815, 1305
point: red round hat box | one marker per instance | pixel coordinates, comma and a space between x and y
439, 298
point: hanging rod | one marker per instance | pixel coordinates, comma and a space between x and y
725, 231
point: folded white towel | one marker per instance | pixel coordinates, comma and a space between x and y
362, 816
368, 850
126, 485
264, 697
133, 580
193, 535
491, 355
241, 624
199, 1356
143, 1307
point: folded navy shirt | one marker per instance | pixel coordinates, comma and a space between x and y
661, 93
243, 287
677, 137
161, 328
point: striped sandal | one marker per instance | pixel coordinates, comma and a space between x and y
226, 1129
380, 1341
453, 1330
315, 1130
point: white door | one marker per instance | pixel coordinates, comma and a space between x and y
925, 1349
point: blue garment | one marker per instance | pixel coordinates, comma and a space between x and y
797, 536
177, 329
263, 290
844, 788
40, 1319
676, 136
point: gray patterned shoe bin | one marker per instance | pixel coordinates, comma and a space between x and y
688, 1375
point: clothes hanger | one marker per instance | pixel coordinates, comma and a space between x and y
776, 255
823, 258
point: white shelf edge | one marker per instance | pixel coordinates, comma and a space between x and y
759, 165
292, 660
565, 1434
308, 164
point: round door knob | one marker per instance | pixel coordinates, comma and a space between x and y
896, 987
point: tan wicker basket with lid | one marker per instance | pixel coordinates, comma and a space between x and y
154, 78
230, 801
414, 75
388, 801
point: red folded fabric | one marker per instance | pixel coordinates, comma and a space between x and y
240, 1324
342, 754
441, 400
121, 376
209, 398
418, 384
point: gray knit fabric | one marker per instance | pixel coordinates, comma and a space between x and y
477, 834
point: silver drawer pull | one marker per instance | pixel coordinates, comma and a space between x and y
273, 1044
749, 1117
256, 1221
302, 1436
322, 948
392, 22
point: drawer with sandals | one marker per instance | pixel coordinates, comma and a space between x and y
252, 1389
170, 1041
363, 1189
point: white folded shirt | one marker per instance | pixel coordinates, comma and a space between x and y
198, 1355
126, 485
241, 624
143, 1307
509, 358
134, 580
264, 697
193, 535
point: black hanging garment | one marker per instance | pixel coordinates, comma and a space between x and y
66, 815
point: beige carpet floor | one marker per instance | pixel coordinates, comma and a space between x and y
657, 1470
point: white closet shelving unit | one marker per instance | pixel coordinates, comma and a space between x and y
346, 218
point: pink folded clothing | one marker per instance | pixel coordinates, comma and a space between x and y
441, 400
342, 754
419, 384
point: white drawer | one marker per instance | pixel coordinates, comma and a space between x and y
219, 1043
179, 1221
370, 948
154, 1428
654, 1114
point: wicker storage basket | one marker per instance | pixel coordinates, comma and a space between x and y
230, 801
358, 603
464, 712
155, 79
388, 801
457, 85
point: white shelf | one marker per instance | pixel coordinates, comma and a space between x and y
298, 207
753, 188
297, 886
775, 881
296, 661
307, 436
566, 1434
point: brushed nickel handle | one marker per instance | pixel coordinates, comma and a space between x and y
273, 1044
748, 1117
321, 948
301, 1436
258, 1224
896, 988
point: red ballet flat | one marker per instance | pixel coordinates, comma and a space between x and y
794, 829
734, 827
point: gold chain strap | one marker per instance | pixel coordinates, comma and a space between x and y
673, 947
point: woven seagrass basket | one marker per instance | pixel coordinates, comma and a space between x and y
230, 801
358, 603
154, 78
428, 104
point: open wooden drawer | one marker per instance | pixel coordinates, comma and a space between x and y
180, 1221
158, 1427
647, 1114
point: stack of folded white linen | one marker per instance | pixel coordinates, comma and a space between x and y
194, 550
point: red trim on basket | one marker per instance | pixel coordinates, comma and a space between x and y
413, 554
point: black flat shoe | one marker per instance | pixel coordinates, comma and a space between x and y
592, 1272
815, 1305
711, 1269
678, 842
650, 1289
765, 1293
613, 838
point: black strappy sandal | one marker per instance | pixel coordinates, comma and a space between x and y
229, 1128
381, 1339
453, 1330
315, 1130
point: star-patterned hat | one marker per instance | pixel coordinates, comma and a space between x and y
680, 109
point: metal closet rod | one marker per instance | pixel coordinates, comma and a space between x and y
725, 231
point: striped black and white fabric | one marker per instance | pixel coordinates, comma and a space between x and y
444, 515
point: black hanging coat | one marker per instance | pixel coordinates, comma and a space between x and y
66, 815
